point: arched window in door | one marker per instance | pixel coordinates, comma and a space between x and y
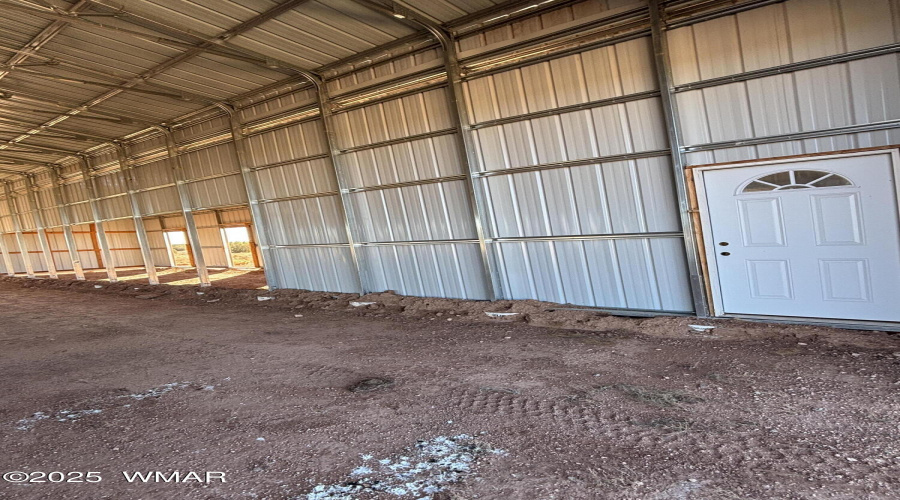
795, 179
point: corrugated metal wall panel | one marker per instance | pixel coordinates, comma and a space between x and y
115, 208
159, 201
123, 243
591, 203
414, 213
157, 242
14, 253
838, 95
297, 179
422, 211
315, 268
210, 161
211, 239
859, 92
416, 160
219, 192
236, 216
793, 31
439, 270
634, 273
301, 208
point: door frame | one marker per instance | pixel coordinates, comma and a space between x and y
708, 249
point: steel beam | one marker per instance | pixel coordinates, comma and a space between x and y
251, 186
96, 214
17, 227
7, 258
464, 138
184, 197
673, 131
38, 216
140, 230
337, 164
63, 209
856, 55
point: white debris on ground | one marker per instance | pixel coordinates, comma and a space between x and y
157, 391
427, 468
361, 304
500, 314
28, 423
60, 416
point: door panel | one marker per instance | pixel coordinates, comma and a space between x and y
815, 238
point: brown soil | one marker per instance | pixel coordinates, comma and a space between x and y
556, 404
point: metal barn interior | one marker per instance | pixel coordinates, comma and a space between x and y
557, 150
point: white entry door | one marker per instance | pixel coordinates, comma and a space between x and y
816, 238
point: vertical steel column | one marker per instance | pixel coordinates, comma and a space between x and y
337, 163
59, 201
40, 226
98, 218
139, 228
184, 197
7, 258
466, 145
673, 130
17, 227
460, 116
251, 186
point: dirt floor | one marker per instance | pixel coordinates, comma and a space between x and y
250, 279
304, 395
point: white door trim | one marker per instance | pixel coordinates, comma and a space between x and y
706, 223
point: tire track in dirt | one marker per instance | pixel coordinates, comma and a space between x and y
715, 443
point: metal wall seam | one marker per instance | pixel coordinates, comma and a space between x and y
17, 227
566, 109
574, 163
136, 216
39, 226
585, 237
323, 194
260, 224
727, 11
186, 209
790, 68
289, 162
98, 219
829, 132
400, 140
423, 182
670, 110
62, 208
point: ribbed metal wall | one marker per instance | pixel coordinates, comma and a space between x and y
300, 206
408, 196
568, 225
572, 164
858, 92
